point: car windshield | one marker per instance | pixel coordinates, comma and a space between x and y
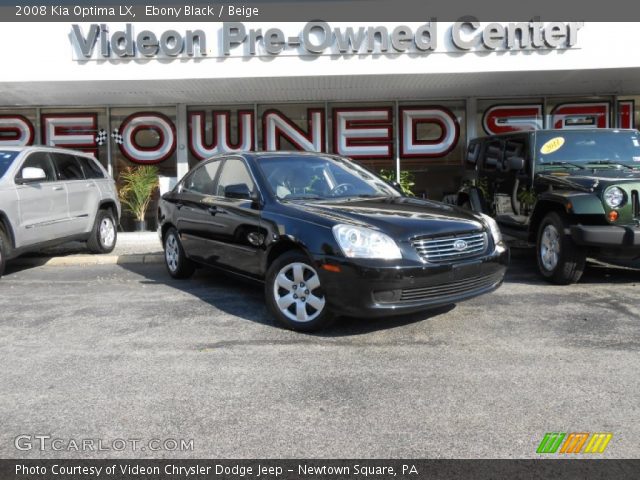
575, 148
320, 178
6, 158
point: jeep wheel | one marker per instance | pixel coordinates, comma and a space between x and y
559, 259
294, 294
104, 234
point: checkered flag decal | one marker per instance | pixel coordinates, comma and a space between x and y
101, 137
117, 137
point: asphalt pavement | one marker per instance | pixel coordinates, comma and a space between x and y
111, 352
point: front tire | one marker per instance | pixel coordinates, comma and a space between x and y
560, 260
177, 263
104, 233
294, 294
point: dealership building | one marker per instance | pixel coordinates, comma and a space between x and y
391, 96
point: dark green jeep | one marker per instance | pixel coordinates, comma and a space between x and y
572, 193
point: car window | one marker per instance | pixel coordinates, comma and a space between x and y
67, 166
493, 154
201, 180
90, 168
39, 160
234, 172
6, 159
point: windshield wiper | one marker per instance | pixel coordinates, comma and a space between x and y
304, 196
563, 164
614, 164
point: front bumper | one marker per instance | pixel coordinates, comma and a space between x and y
369, 288
606, 236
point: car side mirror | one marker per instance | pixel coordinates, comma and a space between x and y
31, 174
238, 190
515, 163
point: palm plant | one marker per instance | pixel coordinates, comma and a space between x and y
138, 186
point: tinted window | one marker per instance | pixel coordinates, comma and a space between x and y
6, 159
202, 179
90, 168
234, 172
68, 167
39, 160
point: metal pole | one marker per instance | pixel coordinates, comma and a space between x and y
110, 168
255, 127
326, 127
397, 140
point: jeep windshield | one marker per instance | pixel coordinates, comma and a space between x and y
592, 149
6, 159
320, 178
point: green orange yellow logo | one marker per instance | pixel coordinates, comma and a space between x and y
557, 442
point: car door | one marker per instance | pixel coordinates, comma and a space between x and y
238, 218
193, 217
83, 194
42, 204
231, 237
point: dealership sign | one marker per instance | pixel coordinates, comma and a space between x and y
364, 132
100, 41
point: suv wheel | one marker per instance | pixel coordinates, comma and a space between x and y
559, 259
177, 263
294, 294
104, 234
4, 250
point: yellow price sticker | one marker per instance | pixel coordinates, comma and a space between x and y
552, 145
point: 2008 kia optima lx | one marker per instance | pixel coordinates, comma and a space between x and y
327, 237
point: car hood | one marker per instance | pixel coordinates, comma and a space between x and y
399, 217
590, 180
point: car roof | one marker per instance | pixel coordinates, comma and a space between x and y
558, 131
274, 154
45, 148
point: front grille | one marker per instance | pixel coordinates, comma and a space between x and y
450, 289
635, 203
445, 249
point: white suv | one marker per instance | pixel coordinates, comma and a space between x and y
50, 196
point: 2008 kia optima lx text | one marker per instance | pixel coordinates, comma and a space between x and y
327, 237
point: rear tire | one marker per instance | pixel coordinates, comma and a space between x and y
104, 233
4, 250
294, 295
177, 263
560, 260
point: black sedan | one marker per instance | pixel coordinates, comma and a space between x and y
326, 237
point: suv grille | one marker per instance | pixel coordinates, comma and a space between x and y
635, 203
454, 247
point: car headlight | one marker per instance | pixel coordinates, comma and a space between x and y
614, 197
493, 227
358, 242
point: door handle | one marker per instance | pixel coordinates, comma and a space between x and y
213, 210
91, 185
57, 188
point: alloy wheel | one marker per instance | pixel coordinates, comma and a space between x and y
107, 232
550, 247
297, 293
171, 252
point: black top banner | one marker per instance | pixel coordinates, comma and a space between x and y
317, 469
306, 10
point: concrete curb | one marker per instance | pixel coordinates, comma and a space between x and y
126, 259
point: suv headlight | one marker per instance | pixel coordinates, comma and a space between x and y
493, 227
358, 242
614, 197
